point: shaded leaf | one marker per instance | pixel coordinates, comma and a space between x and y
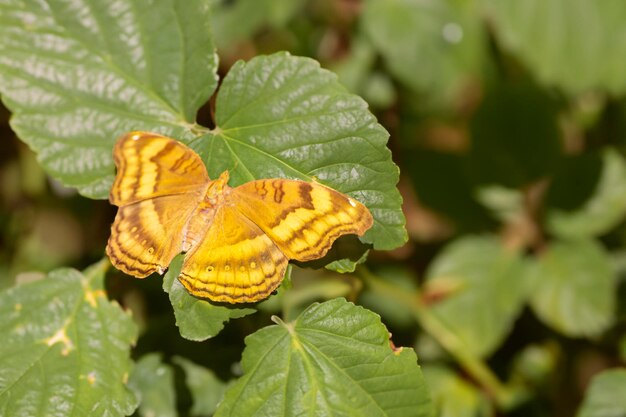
490, 291
546, 36
392, 312
78, 73
335, 359
603, 211
606, 396
573, 288
240, 20
206, 389
154, 383
432, 47
197, 319
453, 396
65, 349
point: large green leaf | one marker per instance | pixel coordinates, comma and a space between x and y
431, 46
573, 288
335, 359
78, 73
154, 383
206, 389
197, 319
284, 116
65, 348
491, 291
548, 37
606, 396
604, 210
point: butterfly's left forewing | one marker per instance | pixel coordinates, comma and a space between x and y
302, 218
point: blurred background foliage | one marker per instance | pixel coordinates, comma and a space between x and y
508, 123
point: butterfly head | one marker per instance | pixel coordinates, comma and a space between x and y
216, 189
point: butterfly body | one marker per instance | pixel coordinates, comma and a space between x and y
238, 241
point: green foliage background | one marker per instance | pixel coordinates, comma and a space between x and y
497, 255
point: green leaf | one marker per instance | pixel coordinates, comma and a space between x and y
281, 116
197, 319
454, 396
207, 390
335, 359
546, 36
153, 381
65, 348
78, 73
573, 288
432, 47
490, 293
606, 396
603, 211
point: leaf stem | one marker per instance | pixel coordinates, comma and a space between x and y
477, 368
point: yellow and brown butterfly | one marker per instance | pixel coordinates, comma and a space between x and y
238, 241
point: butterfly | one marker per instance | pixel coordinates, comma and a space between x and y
237, 241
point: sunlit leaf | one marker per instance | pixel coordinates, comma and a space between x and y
65, 348
606, 396
602, 211
430, 46
547, 37
573, 288
335, 359
490, 291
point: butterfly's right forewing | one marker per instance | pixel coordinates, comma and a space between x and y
149, 166
158, 186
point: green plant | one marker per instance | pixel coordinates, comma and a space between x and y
510, 134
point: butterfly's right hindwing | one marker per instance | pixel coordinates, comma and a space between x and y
158, 186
